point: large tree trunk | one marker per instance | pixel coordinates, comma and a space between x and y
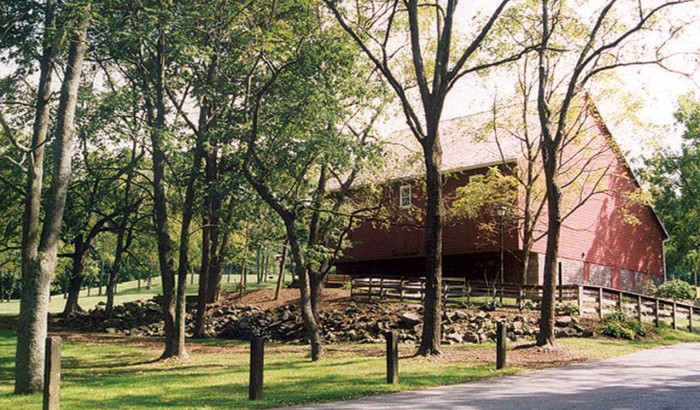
38, 264
550, 157
432, 312
160, 211
29, 370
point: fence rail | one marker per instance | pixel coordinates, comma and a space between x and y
591, 300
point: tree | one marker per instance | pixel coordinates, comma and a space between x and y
675, 177
303, 156
436, 67
571, 54
39, 253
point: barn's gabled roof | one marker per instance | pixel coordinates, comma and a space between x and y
466, 144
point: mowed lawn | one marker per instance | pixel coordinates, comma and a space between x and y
123, 375
128, 292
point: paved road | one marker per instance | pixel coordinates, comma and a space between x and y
663, 378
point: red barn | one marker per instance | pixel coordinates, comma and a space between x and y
608, 237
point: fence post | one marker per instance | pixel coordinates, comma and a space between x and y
257, 363
620, 296
369, 292
675, 324
392, 357
469, 293
656, 313
561, 282
600, 303
501, 345
580, 300
52, 374
401, 290
690, 318
639, 308
520, 298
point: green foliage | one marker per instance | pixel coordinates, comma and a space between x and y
677, 289
567, 308
621, 326
490, 305
674, 177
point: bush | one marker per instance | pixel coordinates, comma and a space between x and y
621, 326
618, 330
491, 305
567, 308
677, 290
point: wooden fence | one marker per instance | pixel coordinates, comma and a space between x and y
591, 300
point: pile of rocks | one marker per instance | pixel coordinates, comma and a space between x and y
125, 317
354, 322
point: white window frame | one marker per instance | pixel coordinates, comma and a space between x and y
405, 196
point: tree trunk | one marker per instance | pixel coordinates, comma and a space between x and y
38, 264
79, 257
160, 210
29, 369
312, 329
550, 158
430, 338
316, 281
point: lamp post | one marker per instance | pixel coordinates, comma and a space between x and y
501, 211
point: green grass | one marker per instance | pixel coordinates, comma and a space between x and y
127, 292
124, 376
109, 376
597, 349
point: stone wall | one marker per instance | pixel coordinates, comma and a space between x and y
599, 275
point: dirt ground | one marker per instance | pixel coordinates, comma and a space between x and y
265, 298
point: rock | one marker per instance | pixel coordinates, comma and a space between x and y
460, 315
410, 319
111, 330
471, 337
564, 321
455, 337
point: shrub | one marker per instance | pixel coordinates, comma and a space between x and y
618, 330
567, 308
621, 326
677, 290
491, 305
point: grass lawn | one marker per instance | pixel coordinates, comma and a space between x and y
122, 375
127, 292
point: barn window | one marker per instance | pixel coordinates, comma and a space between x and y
405, 196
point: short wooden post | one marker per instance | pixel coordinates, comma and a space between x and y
690, 318
369, 292
675, 323
392, 357
639, 308
52, 374
600, 303
580, 300
501, 345
257, 363
401, 290
656, 313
